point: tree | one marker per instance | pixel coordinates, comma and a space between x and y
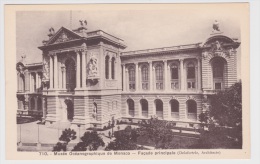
66, 136
89, 141
224, 120
124, 140
158, 131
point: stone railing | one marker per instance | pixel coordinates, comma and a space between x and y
175, 115
159, 114
131, 113
192, 116
163, 49
145, 114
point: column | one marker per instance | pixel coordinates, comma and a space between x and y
109, 69
126, 81
136, 77
64, 77
124, 77
84, 69
150, 76
30, 81
51, 72
43, 108
165, 76
182, 74
18, 83
35, 103
37, 80
199, 74
78, 71
55, 72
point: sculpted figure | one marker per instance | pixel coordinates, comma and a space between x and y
46, 70
93, 66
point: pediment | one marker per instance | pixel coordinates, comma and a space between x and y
63, 35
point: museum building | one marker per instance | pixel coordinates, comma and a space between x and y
86, 78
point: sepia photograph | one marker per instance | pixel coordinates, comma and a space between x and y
131, 81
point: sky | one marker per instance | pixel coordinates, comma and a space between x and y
140, 29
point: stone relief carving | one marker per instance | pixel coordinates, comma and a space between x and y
94, 113
93, 66
46, 70
20, 68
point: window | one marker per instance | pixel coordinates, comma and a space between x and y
217, 85
192, 106
107, 67
174, 77
131, 78
113, 68
144, 106
144, 72
70, 75
159, 108
218, 68
191, 85
218, 72
174, 106
191, 76
190, 71
159, 77
174, 85
174, 72
131, 107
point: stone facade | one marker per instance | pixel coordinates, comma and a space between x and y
86, 79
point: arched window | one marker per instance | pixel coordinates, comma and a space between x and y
144, 71
144, 106
191, 76
174, 76
32, 103
131, 107
159, 108
113, 68
70, 75
192, 109
159, 77
218, 72
131, 72
107, 67
174, 106
39, 104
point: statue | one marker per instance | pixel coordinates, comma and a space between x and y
45, 70
93, 66
216, 26
217, 46
83, 23
94, 111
